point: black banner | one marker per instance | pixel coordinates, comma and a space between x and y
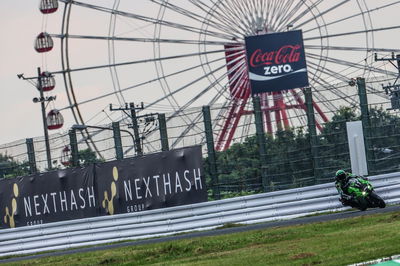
276, 61
153, 181
131, 185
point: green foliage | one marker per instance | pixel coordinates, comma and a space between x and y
10, 168
290, 161
385, 139
87, 157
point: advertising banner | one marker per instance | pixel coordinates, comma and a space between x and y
276, 61
49, 197
136, 184
153, 181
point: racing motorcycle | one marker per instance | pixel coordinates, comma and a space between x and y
364, 194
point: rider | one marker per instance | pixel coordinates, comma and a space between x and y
342, 184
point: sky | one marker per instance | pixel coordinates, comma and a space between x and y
21, 21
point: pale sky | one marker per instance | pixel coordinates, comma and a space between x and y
19, 117
21, 21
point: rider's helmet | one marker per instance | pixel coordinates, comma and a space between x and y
340, 175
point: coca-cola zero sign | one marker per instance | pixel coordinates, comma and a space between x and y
276, 61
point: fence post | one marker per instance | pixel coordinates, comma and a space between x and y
261, 141
366, 125
313, 133
31, 156
74, 147
117, 141
212, 158
163, 132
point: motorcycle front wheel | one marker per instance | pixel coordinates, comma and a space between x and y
376, 200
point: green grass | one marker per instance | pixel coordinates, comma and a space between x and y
337, 242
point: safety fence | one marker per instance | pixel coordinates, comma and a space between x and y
305, 154
264, 207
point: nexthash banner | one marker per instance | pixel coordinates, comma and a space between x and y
276, 61
137, 184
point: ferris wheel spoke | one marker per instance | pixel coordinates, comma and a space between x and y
332, 74
188, 74
285, 19
148, 19
329, 86
213, 83
111, 56
195, 121
354, 16
279, 13
352, 49
320, 97
227, 18
217, 24
320, 14
188, 85
144, 40
191, 101
249, 19
144, 61
350, 64
238, 78
286, 15
274, 13
353, 33
335, 76
304, 12
138, 85
233, 17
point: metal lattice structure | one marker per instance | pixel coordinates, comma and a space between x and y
176, 56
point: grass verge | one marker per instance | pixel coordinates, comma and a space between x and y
339, 242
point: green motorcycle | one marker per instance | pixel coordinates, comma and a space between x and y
364, 194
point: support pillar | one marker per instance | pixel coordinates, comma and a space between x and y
163, 132
31, 156
362, 93
212, 158
117, 141
312, 129
74, 147
261, 142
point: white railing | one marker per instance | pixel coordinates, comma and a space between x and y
278, 205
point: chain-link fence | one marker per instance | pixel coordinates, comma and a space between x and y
306, 153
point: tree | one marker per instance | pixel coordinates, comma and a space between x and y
87, 157
10, 168
290, 162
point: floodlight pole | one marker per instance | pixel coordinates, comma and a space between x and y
46, 133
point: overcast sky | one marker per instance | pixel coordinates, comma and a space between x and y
21, 21
19, 117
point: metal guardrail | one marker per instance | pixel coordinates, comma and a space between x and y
278, 205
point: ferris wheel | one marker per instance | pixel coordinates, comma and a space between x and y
178, 55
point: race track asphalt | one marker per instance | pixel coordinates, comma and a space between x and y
298, 221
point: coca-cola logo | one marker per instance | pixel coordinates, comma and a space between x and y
276, 61
285, 54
